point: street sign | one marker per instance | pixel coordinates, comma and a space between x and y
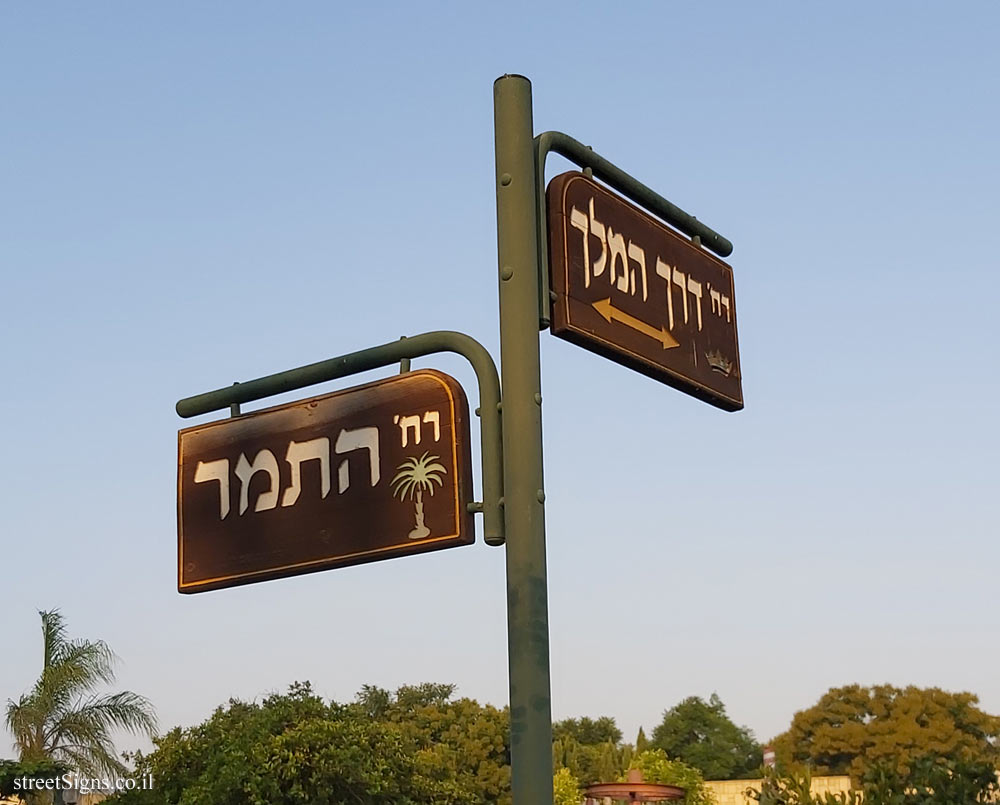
633, 290
368, 473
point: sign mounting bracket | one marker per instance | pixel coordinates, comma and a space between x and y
491, 434
593, 164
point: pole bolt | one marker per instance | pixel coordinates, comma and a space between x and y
506, 273
538, 398
506, 179
541, 496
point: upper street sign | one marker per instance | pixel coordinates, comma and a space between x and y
635, 291
368, 473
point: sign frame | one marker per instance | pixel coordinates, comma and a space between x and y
703, 363
231, 436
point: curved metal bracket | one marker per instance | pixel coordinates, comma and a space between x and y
608, 172
491, 437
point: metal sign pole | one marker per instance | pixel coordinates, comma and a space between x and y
521, 398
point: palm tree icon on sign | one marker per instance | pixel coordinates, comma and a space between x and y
414, 477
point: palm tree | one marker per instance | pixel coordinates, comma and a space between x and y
414, 477
63, 718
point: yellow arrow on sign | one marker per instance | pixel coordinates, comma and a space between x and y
609, 312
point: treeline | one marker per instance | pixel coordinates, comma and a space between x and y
420, 745
423, 745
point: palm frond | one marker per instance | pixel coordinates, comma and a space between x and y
79, 668
23, 718
126, 710
87, 729
62, 719
93, 660
91, 761
53, 635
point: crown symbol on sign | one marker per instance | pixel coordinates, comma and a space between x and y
719, 363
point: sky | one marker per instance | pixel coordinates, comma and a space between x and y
195, 194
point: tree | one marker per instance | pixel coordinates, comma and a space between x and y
215, 761
417, 746
795, 788
332, 761
590, 749
588, 731
456, 740
641, 742
852, 729
565, 788
929, 781
656, 767
63, 718
702, 735
290, 749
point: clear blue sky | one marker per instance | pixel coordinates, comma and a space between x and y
192, 194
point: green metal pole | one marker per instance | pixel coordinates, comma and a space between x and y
521, 398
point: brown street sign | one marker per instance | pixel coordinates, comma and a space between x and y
631, 289
367, 473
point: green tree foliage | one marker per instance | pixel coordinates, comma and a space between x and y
215, 760
590, 749
64, 718
656, 767
928, 781
417, 746
641, 742
565, 789
702, 735
854, 728
931, 781
456, 740
328, 761
795, 788
588, 731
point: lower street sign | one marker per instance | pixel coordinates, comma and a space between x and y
633, 290
368, 473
